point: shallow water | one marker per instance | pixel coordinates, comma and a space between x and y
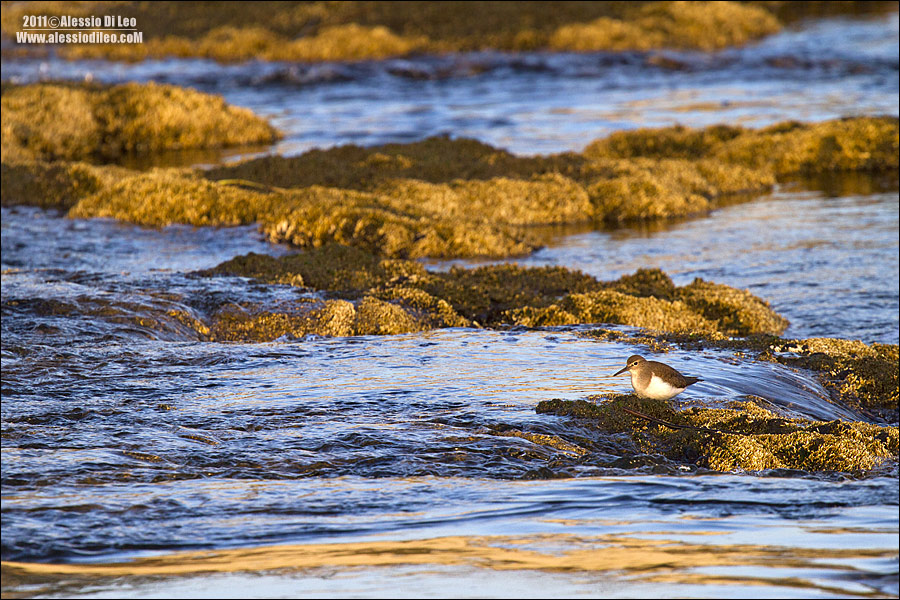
416, 465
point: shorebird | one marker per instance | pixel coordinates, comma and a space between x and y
655, 380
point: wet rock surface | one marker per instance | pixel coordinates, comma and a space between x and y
508, 295
445, 198
744, 436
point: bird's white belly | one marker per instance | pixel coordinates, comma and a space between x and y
658, 389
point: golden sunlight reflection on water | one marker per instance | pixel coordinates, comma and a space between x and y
665, 561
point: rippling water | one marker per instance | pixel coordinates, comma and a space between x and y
141, 461
713, 535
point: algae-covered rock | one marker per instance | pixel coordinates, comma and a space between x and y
649, 190
707, 25
328, 31
378, 317
318, 216
263, 267
348, 42
604, 33
640, 175
735, 311
351, 30
480, 294
663, 142
333, 267
335, 319
649, 299
231, 43
608, 306
512, 295
439, 159
852, 450
645, 188
441, 197
54, 185
248, 323
307, 218
151, 117
431, 312
743, 436
608, 415
240, 42
860, 144
484, 294
696, 25
646, 282
860, 374
367, 316
166, 196
49, 121
540, 200
659, 173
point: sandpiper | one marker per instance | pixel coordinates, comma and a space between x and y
655, 380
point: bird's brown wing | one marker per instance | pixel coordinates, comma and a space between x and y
676, 378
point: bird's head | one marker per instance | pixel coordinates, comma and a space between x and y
631, 363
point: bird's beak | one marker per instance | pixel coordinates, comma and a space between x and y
620, 371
